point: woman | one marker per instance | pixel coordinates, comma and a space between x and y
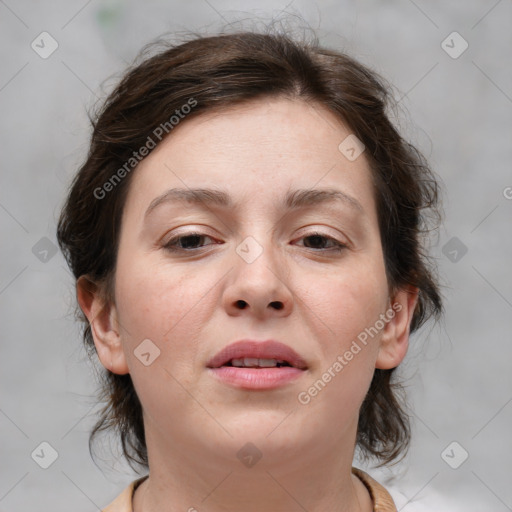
245, 235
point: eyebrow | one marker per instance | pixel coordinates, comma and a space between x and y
295, 199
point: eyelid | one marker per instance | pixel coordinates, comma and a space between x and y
186, 230
169, 243
166, 244
339, 245
316, 229
323, 230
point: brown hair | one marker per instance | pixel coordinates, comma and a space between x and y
217, 72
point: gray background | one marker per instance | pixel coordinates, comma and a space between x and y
457, 110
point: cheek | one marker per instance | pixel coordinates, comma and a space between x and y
163, 304
156, 305
349, 304
349, 301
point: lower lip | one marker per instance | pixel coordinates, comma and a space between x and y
256, 378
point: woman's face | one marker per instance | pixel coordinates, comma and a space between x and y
308, 273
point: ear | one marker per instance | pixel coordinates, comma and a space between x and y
102, 317
395, 338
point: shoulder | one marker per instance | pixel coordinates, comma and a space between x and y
382, 500
123, 502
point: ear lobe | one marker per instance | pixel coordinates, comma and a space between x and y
395, 338
102, 317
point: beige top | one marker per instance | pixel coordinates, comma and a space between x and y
382, 501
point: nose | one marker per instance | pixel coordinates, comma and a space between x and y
259, 288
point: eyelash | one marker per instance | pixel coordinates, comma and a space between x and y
171, 244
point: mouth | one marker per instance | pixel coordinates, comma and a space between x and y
257, 354
257, 365
254, 362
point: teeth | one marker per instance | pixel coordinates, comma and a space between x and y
268, 363
253, 362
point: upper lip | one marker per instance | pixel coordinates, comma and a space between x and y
268, 349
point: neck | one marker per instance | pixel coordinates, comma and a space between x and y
289, 481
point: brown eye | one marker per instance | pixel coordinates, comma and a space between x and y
318, 240
186, 242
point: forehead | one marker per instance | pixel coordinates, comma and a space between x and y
256, 150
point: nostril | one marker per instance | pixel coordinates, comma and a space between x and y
276, 304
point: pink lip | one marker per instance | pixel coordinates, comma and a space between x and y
269, 349
257, 378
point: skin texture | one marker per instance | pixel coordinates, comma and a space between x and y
186, 303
